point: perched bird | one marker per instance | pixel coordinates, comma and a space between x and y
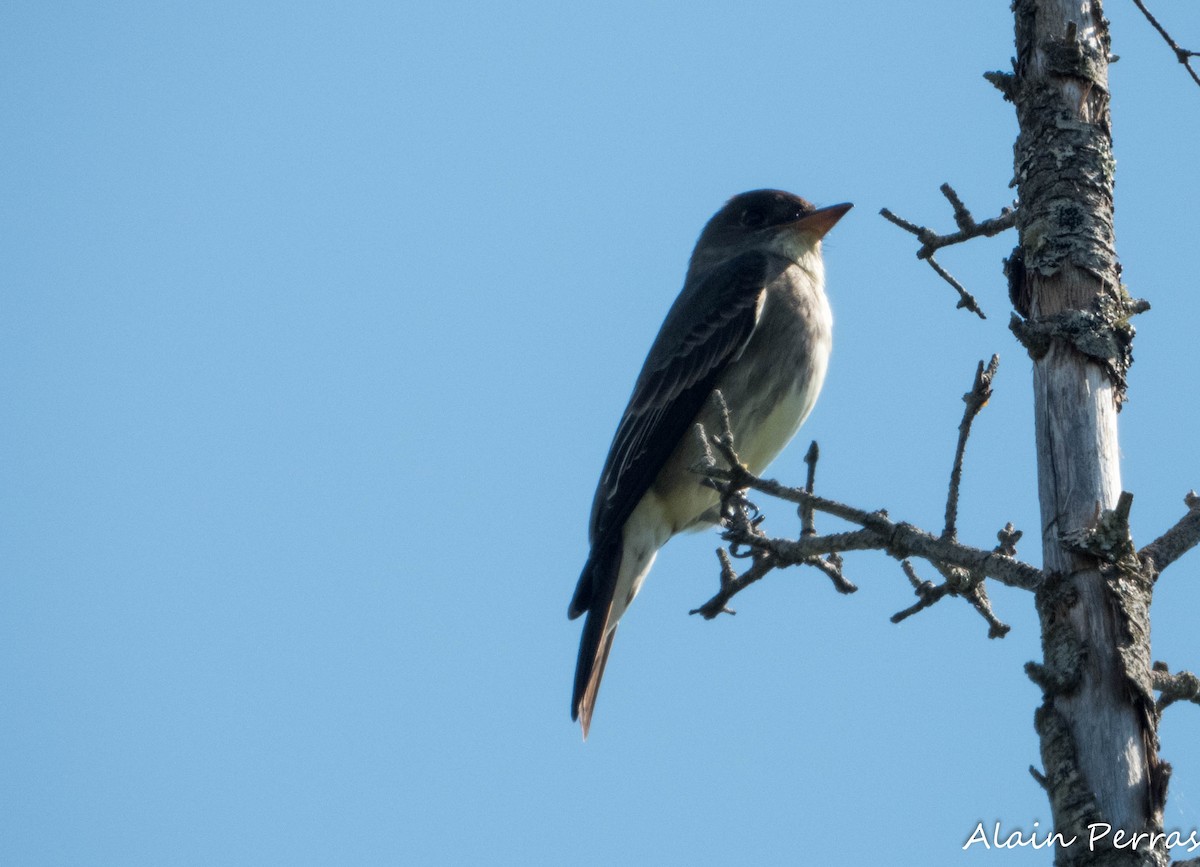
752, 320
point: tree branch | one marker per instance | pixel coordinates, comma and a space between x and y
807, 525
963, 567
931, 241
1183, 686
742, 529
1174, 543
1181, 54
811, 551
975, 399
927, 592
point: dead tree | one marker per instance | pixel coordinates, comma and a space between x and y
1098, 721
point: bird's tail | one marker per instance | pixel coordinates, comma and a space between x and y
593, 654
596, 586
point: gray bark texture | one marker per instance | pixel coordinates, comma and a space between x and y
1097, 721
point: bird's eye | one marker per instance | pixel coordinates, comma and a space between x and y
752, 218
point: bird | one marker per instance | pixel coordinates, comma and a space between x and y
751, 321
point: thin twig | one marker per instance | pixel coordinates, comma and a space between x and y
717, 605
1008, 538
957, 583
1181, 54
927, 592
965, 298
765, 561
1039, 778
975, 400
831, 565
979, 600
740, 520
962, 217
968, 228
808, 526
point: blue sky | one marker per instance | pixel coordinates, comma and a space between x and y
316, 324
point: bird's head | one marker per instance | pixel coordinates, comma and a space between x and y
769, 220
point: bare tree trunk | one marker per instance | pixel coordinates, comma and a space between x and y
1097, 723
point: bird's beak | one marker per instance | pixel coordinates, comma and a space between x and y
822, 220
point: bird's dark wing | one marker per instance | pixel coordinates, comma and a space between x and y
702, 333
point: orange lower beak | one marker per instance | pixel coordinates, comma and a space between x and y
822, 220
